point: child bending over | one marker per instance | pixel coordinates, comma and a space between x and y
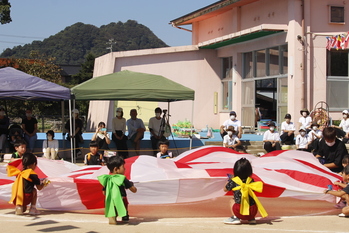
344, 194
23, 190
245, 202
114, 186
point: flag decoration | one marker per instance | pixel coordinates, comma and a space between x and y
195, 175
337, 41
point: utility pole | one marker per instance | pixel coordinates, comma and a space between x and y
111, 42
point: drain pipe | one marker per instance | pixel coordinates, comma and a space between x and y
173, 25
303, 89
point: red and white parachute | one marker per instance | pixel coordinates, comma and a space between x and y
195, 175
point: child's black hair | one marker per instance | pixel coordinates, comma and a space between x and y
163, 142
329, 133
28, 159
19, 143
93, 144
345, 159
242, 168
52, 133
115, 162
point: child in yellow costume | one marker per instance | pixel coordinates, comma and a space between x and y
245, 203
23, 191
114, 186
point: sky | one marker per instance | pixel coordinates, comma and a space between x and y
39, 19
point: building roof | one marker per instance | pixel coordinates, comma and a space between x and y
209, 11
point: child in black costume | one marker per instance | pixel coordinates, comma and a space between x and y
245, 203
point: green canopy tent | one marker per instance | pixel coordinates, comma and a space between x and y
132, 86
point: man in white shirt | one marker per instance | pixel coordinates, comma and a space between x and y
136, 128
271, 138
231, 122
287, 131
156, 129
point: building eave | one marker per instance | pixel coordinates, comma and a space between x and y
243, 36
209, 11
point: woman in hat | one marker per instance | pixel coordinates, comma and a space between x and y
342, 130
305, 120
118, 136
271, 138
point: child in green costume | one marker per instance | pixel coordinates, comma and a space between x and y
114, 189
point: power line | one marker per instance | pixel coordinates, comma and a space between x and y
30, 37
12, 42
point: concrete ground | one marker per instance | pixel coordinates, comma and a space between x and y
285, 215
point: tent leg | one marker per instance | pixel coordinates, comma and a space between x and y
70, 134
191, 126
63, 129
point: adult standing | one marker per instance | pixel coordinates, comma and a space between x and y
30, 127
232, 121
156, 128
136, 128
77, 135
118, 136
4, 124
101, 137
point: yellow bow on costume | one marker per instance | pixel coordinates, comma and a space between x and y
18, 185
247, 189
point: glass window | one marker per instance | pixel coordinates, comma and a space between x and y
227, 82
274, 67
337, 63
337, 94
337, 14
260, 63
283, 59
248, 65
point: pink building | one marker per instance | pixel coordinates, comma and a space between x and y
249, 54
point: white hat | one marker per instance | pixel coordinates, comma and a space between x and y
75, 111
302, 128
119, 110
345, 111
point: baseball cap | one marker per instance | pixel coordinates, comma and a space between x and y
232, 113
288, 116
119, 110
344, 111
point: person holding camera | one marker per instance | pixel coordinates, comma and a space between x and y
101, 137
156, 128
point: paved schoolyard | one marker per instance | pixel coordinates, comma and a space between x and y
285, 215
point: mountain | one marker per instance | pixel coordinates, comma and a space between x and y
71, 45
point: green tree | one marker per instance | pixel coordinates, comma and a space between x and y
86, 71
5, 11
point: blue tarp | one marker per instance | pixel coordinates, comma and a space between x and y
15, 84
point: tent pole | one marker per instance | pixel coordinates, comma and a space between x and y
63, 129
70, 132
74, 140
191, 125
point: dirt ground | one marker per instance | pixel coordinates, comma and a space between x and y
285, 215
